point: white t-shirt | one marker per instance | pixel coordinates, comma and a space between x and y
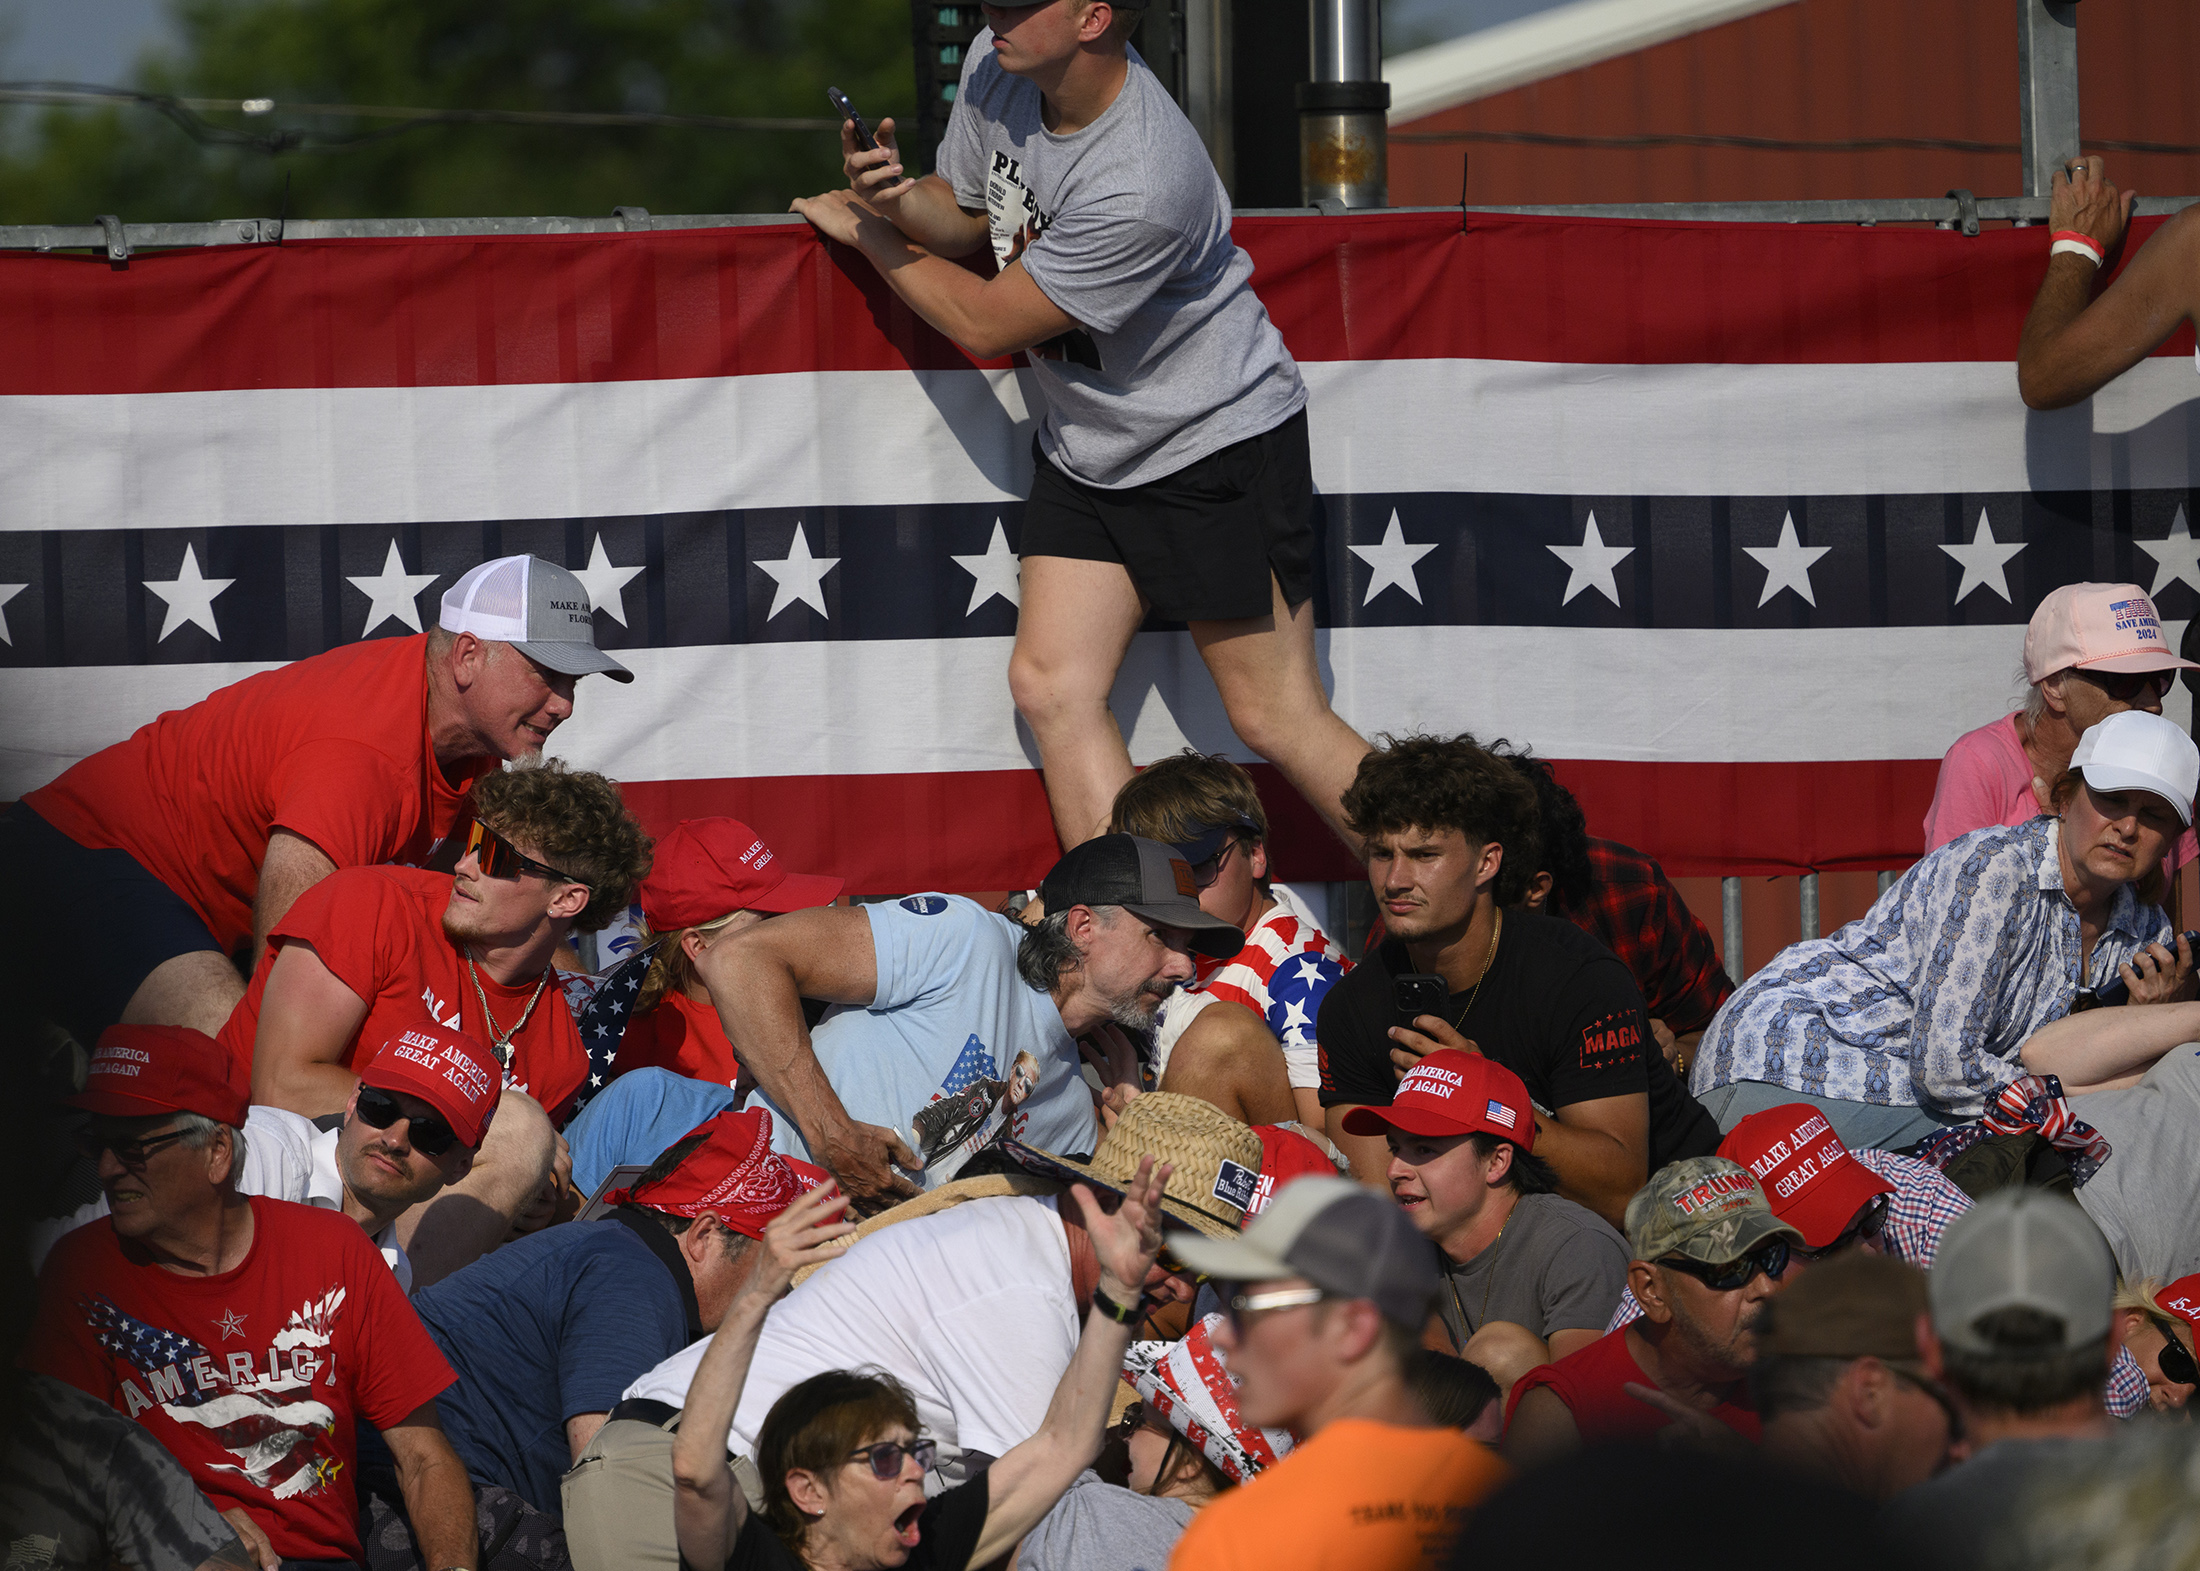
285, 1158
970, 1308
954, 1047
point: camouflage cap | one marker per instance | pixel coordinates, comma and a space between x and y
1701, 1208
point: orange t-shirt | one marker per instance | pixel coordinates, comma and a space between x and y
334, 748
379, 930
682, 1036
1359, 1496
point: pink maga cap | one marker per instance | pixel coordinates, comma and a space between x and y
2097, 627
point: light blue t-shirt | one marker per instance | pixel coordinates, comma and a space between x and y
954, 1048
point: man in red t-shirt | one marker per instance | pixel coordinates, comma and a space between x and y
1708, 1253
247, 1335
710, 877
138, 881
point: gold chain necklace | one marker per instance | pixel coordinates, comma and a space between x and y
1497, 929
1489, 1280
501, 1041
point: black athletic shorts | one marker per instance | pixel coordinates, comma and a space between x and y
1200, 543
82, 927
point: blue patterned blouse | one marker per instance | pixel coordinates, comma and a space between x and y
1925, 1000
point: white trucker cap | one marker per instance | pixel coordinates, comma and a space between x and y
538, 608
2022, 1249
2135, 751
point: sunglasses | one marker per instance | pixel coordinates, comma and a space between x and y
885, 1457
131, 1153
1939, 1393
1769, 1258
1205, 873
2178, 1367
499, 858
1867, 1224
1239, 1305
1168, 1262
2126, 686
425, 1132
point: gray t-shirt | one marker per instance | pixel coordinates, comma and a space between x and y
1103, 1527
2146, 1197
1126, 227
1974, 1513
1556, 1267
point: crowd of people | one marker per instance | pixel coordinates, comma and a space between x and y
1134, 1224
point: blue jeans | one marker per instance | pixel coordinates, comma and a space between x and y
1861, 1125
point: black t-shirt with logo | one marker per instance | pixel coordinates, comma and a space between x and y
1558, 1009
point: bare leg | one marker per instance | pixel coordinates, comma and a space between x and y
1076, 621
197, 990
471, 1217
1271, 685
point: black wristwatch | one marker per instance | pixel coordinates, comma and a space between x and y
1116, 1312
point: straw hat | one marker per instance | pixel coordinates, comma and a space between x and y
988, 1186
1217, 1159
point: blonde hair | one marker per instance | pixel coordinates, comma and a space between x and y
670, 969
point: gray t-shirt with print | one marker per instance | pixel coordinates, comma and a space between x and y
1124, 225
2146, 1196
1556, 1267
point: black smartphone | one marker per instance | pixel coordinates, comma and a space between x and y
2113, 991
864, 139
1417, 993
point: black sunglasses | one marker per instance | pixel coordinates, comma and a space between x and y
131, 1153
2126, 686
499, 858
1168, 1262
2178, 1367
1769, 1257
1205, 873
426, 1132
1867, 1224
885, 1457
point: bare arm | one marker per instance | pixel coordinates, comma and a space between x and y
580, 1429
439, 1501
2106, 1047
1542, 1430
307, 1019
758, 978
2073, 344
1227, 1056
707, 1509
1600, 1151
293, 865
1024, 1484
924, 209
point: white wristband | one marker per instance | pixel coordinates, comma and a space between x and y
2075, 248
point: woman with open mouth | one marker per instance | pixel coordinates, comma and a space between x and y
841, 1455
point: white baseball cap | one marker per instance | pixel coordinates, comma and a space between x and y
2097, 627
538, 608
2136, 751
2022, 1249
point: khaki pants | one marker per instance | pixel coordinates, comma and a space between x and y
618, 1499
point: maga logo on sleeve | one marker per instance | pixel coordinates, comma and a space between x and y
1612, 1042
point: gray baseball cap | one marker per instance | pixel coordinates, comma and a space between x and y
1341, 1236
538, 608
1145, 878
2022, 1249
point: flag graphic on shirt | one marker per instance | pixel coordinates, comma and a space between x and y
256, 1407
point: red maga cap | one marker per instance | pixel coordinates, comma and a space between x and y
2182, 1299
734, 1175
1453, 1093
138, 1071
449, 1070
1807, 1174
1285, 1154
712, 867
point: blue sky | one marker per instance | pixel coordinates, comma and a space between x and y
96, 40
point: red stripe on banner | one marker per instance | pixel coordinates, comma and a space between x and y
896, 834
477, 311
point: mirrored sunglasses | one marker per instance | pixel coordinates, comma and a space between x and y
1769, 1258
497, 857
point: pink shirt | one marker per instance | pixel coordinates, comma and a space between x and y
1986, 779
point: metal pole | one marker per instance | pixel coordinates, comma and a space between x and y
1209, 102
1344, 157
1810, 905
2047, 71
1730, 914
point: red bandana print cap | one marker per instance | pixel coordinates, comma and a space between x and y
734, 1175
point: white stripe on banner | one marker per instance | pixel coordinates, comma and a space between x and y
855, 438
874, 707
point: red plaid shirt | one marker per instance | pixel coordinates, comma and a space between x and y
1634, 912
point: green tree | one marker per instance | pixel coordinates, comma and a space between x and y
706, 57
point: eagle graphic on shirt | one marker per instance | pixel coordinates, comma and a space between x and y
257, 1407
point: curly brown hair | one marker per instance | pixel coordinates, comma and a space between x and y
576, 821
1433, 782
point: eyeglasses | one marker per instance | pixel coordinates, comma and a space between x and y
1867, 1224
885, 1457
2126, 686
1239, 1305
132, 1153
1205, 873
1939, 1393
425, 1132
1168, 1262
1769, 1257
499, 858
2178, 1367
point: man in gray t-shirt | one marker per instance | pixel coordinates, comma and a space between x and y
2146, 1196
1528, 1276
1172, 471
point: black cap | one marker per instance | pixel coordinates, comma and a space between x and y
1207, 840
1145, 878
